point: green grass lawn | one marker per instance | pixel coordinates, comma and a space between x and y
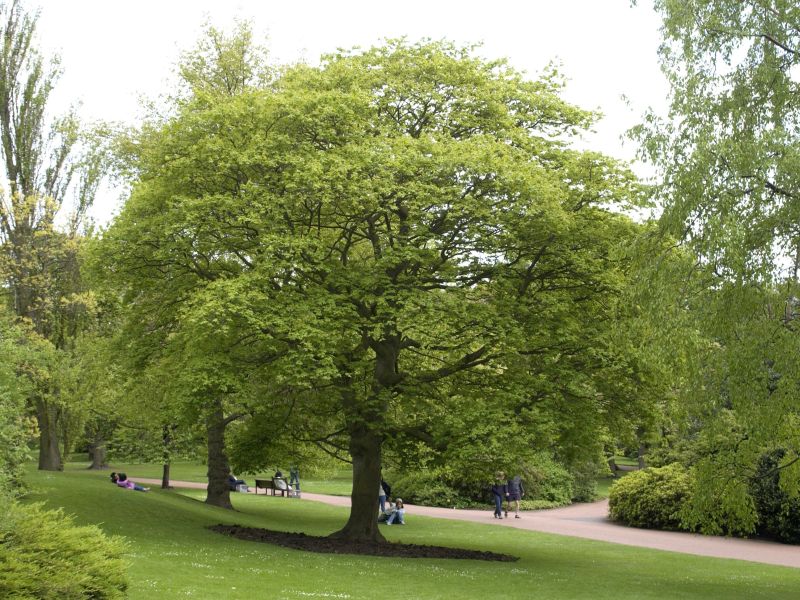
173, 555
179, 471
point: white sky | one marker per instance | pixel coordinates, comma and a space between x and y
115, 52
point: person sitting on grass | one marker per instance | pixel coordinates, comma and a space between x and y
398, 514
122, 481
383, 516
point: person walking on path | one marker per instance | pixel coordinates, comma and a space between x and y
499, 492
294, 479
515, 492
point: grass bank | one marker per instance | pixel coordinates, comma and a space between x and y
173, 555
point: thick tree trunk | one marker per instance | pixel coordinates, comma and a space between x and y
365, 449
366, 438
98, 454
49, 451
218, 467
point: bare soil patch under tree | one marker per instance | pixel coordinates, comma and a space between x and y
328, 545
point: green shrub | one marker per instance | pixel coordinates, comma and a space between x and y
545, 479
547, 485
778, 514
651, 498
43, 555
584, 481
428, 488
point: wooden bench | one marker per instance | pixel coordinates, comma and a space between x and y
269, 485
265, 484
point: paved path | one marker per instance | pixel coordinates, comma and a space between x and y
590, 521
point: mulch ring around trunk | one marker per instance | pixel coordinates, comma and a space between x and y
327, 545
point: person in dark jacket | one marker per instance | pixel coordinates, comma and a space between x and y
515, 493
499, 492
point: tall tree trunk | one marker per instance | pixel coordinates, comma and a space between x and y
219, 493
366, 438
165, 477
66, 439
642, 452
49, 451
365, 449
98, 454
166, 436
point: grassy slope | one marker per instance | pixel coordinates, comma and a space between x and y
338, 485
173, 556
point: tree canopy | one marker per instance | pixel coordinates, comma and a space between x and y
362, 251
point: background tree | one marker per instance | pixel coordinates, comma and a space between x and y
45, 163
163, 332
728, 156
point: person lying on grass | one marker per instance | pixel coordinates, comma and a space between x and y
122, 481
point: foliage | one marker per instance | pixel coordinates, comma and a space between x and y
728, 148
547, 484
17, 364
43, 554
778, 513
546, 479
428, 488
651, 498
584, 484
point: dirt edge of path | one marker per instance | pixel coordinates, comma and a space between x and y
327, 545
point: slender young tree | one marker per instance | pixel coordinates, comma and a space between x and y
43, 167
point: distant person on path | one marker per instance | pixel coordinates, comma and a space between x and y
294, 478
398, 514
515, 494
122, 481
499, 492
234, 483
384, 489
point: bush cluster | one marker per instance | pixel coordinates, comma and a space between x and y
547, 480
429, 488
44, 555
547, 484
651, 498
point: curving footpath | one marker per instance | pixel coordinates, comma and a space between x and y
590, 521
